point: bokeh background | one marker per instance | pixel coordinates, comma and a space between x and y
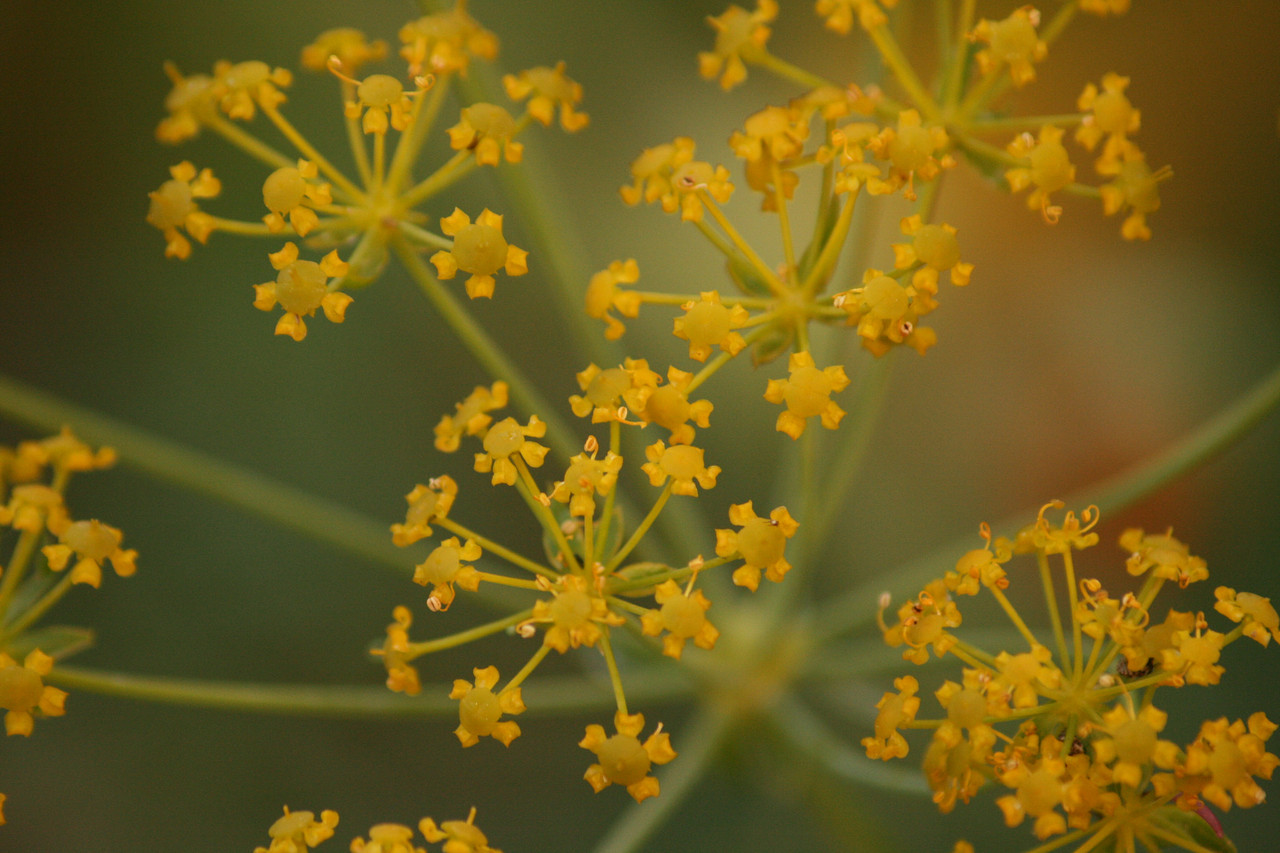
1072, 354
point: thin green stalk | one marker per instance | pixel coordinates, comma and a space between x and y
291, 508
486, 351
856, 607
1055, 617
50, 598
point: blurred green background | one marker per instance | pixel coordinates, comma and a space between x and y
1071, 355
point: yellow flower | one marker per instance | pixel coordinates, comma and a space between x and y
574, 613
585, 478
445, 42
886, 314
1134, 187
1023, 676
350, 46
32, 507
689, 181
606, 394
669, 407
1194, 656
838, 14
480, 709
293, 193
23, 691
242, 86
459, 836
1012, 43
300, 288
1048, 169
604, 295
444, 567
471, 416
1039, 793
682, 616
1226, 756
479, 249
1262, 623
683, 463
709, 323
297, 832
173, 208
778, 133
91, 542
386, 838
909, 148
623, 759
1163, 555
376, 96
1074, 532
935, 248
651, 172
190, 103
806, 394
761, 542
1110, 115
487, 130
505, 439
740, 35
1132, 746
426, 504
549, 88
894, 710
401, 675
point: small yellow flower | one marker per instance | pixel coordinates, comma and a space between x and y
682, 616
459, 836
935, 248
689, 181
549, 87
91, 542
241, 87
1135, 187
910, 149
32, 507
426, 504
894, 710
683, 464
710, 323
293, 193
669, 407
1162, 555
350, 46
923, 622
173, 208
23, 691
1022, 677
575, 614
1262, 625
507, 438
480, 709
1110, 115
607, 394
623, 759
761, 542
190, 103
300, 288
740, 37
1039, 793
1194, 656
402, 677
1226, 757
1073, 533
472, 416
1048, 169
445, 42
1012, 43
778, 133
487, 130
585, 478
444, 567
651, 172
838, 14
297, 832
479, 249
887, 313
604, 295
377, 97
63, 451
1133, 745
806, 394
386, 838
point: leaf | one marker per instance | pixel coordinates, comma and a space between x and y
1193, 827
746, 276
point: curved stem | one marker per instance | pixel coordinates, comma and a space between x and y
291, 508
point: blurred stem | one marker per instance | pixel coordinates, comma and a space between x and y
486, 351
856, 607
289, 507
800, 727
700, 740
554, 694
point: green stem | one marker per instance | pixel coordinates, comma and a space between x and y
856, 607
291, 508
1055, 617
486, 351
642, 529
33, 613
615, 677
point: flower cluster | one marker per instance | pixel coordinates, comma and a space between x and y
49, 552
1069, 725
297, 832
